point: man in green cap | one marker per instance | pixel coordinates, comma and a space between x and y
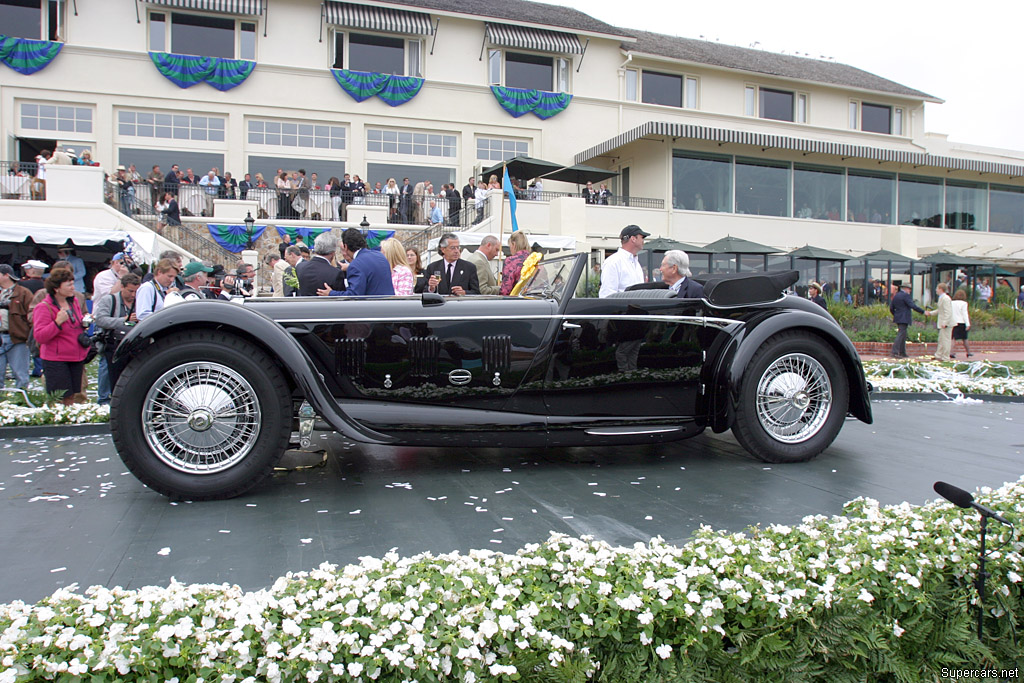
195, 278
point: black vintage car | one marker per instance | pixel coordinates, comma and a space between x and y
209, 398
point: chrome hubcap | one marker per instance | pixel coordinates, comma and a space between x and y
794, 398
201, 418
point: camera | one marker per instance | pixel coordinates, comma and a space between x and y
87, 320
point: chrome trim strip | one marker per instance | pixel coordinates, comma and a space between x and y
613, 431
693, 319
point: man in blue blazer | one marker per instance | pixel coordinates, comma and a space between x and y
368, 271
675, 272
900, 307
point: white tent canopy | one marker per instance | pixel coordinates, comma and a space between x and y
473, 239
144, 241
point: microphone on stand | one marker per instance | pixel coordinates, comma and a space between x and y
963, 499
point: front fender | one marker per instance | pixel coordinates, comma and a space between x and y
264, 333
734, 360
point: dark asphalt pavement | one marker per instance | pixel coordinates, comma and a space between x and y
70, 512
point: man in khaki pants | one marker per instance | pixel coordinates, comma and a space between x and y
944, 322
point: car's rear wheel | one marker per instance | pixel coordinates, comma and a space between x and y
793, 400
201, 415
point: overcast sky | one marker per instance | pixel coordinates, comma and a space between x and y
964, 53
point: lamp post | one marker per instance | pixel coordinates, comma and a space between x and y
365, 225
250, 223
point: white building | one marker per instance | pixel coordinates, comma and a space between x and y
781, 150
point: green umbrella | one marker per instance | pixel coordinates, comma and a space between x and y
944, 258
818, 254
666, 244
885, 255
735, 245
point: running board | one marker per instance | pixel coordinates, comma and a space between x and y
631, 431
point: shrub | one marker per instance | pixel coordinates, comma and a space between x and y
878, 593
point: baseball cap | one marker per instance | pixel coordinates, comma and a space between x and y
35, 264
119, 256
631, 230
194, 267
8, 271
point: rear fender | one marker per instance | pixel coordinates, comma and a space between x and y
264, 333
734, 361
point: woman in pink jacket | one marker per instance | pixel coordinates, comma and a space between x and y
57, 322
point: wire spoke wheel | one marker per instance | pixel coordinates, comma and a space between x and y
201, 417
793, 398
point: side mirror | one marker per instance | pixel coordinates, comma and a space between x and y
432, 299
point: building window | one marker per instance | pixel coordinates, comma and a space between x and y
966, 205
632, 85
876, 118
665, 89
775, 104
778, 105
410, 143
56, 117
496, 149
378, 54
529, 71
295, 134
690, 102
32, 19
202, 35
145, 124
920, 201
701, 182
871, 196
818, 192
1006, 209
762, 187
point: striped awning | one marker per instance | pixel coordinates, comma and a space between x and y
222, 6
538, 39
375, 18
766, 141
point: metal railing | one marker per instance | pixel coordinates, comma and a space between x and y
189, 239
466, 217
18, 181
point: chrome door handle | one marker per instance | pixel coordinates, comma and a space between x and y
566, 325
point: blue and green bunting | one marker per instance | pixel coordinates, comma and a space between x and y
373, 237
188, 70
233, 237
307, 234
27, 56
519, 101
362, 85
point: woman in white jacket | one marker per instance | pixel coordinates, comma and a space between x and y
961, 322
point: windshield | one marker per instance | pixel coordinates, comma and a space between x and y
551, 279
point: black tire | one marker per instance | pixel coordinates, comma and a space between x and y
201, 415
784, 422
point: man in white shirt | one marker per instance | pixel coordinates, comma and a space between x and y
622, 269
211, 183
106, 280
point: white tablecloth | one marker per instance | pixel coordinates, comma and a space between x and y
193, 198
15, 187
320, 203
266, 198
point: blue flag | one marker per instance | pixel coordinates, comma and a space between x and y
506, 186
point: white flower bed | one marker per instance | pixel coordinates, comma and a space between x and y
79, 413
980, 377
727, 603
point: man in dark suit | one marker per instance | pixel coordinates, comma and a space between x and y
171, 181
245, 186
900, 307
405, 202
454, 205
450, 275
368, 271
320, 269
675, 272
469, 190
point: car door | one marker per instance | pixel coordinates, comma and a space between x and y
627, 357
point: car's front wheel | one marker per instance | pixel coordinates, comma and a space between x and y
793, 399
201, 415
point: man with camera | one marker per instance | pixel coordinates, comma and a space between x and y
114, 317
15, 301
